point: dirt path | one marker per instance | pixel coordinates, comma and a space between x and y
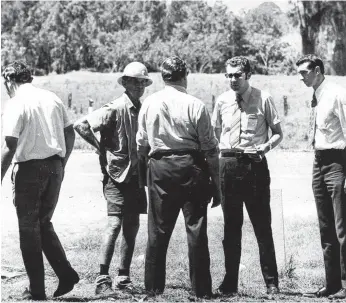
81, 201
81, 206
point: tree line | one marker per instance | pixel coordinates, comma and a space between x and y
104, 36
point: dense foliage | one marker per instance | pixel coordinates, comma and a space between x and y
104, 36
322, 27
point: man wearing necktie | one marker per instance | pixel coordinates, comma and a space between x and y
329, 171
241, 119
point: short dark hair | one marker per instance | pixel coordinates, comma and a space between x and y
173, 69
313, 62
240, 61
17, 71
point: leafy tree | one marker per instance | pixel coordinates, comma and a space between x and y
322, 27
266, 26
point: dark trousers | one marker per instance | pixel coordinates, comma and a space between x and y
329, 170
174, 183
36, 187
246, 181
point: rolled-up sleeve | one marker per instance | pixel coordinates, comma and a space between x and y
205, 131
142, 135
101, 118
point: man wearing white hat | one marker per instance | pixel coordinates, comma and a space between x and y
117, 123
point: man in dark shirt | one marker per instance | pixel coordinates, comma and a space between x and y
117, 124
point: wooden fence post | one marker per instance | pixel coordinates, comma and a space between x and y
285, 106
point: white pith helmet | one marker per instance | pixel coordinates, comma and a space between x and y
135, 70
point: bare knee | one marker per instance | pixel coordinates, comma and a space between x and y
114, 224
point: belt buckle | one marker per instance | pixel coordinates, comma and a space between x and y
238, 154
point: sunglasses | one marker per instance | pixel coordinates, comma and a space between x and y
235, 75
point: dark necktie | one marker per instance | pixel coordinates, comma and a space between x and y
312, 122
234, 139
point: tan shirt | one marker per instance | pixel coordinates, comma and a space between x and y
259, 114
36, 117
171, 119
117, 123
330, 116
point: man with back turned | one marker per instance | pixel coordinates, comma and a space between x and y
175, 132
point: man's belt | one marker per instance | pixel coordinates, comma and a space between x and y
235, 154
51, 158
331, 154
164, 153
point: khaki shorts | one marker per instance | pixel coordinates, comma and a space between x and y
124, 197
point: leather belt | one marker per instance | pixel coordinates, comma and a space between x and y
235, 154
329, 152
165, 153
51, 158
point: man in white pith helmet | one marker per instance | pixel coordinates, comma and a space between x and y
117, 123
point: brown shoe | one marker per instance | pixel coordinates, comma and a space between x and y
341, 294
321, 293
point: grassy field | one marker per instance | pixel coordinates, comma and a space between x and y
103, 88
80, 217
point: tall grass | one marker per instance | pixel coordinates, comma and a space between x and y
103, 88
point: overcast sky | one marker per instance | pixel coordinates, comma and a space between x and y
237, 5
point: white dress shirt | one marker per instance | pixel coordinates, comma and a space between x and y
330, 116
36, 117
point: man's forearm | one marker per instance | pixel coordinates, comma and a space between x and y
6, 159
69, 142
217, 132
274, 141
142, 153
84, 130
212, 159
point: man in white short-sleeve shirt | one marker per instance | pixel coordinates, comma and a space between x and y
39, 138
242, 119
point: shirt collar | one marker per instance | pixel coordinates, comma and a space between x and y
22, 89
177, 87
246, 95
319, 90
129, 103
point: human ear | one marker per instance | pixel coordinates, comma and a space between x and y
248, 76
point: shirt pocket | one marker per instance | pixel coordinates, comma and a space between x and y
252, 122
